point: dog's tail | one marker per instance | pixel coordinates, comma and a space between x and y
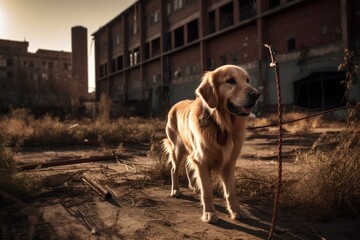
167, 147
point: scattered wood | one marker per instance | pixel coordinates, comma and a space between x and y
70, 162
101, 190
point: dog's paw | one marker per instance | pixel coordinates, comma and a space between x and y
209, 217
193, 188
176, 193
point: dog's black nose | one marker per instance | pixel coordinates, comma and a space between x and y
254, 94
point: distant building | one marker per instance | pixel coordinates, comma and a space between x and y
153, 54
45, 80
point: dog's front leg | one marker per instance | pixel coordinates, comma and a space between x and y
204, 183
227, 176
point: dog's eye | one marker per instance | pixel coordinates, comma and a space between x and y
231, 81
247, 80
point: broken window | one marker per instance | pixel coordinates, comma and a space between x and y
247, 9
193, 30
120, 63
291, 44
274, 3
212, 24
179, 37
226, 16
155, 47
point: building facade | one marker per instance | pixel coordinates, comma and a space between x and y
153, 54
46, 80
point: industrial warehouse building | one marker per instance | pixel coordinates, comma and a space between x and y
46, 80
153, 54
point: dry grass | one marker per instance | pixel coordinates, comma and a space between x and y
303, 126
23, 129
330, 184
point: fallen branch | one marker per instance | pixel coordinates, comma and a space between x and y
69, 162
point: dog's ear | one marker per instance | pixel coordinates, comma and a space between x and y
206, 91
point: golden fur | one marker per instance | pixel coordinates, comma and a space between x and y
209, 132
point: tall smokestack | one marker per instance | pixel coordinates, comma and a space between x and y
79, 60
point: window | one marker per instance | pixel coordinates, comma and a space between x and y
136, 56
223, 60
226, 16
192, 30
291, 44
113, 65
212, 24
179, 37
274, 3
235, 58
119, 61
247, 9
9, 63
178, 4
67, 66
210, 64
147, 50
155, 47
10, 74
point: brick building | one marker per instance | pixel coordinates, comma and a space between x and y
45, 80
153, 54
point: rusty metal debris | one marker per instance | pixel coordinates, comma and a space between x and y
101, 190
70, 162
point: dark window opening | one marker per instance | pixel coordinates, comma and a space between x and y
179, 37
320, 90
9, 63
210, 64
226, 16
193, 30
247, 9
10, 74
120, 62
291, 44
168, 44
235, 58
113, 65
223, 60
274, 3
155, 47
103, 70
212, 24
147, 50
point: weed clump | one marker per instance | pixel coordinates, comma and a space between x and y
330, 185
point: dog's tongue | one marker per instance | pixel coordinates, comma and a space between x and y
246, 110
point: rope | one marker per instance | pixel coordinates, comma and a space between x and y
303, 118
275, 64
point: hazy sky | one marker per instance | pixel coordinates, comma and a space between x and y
47, 24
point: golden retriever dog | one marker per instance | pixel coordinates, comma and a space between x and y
209, 132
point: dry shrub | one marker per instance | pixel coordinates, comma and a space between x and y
160, 170
11, 181
330, 185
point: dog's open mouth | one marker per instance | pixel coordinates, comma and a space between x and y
240, 111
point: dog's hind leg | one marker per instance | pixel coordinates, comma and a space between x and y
190, 173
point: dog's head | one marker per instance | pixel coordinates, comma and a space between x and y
227, 88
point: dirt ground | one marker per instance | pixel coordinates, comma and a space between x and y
140, 207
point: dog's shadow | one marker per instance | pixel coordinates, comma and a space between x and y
255, 226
